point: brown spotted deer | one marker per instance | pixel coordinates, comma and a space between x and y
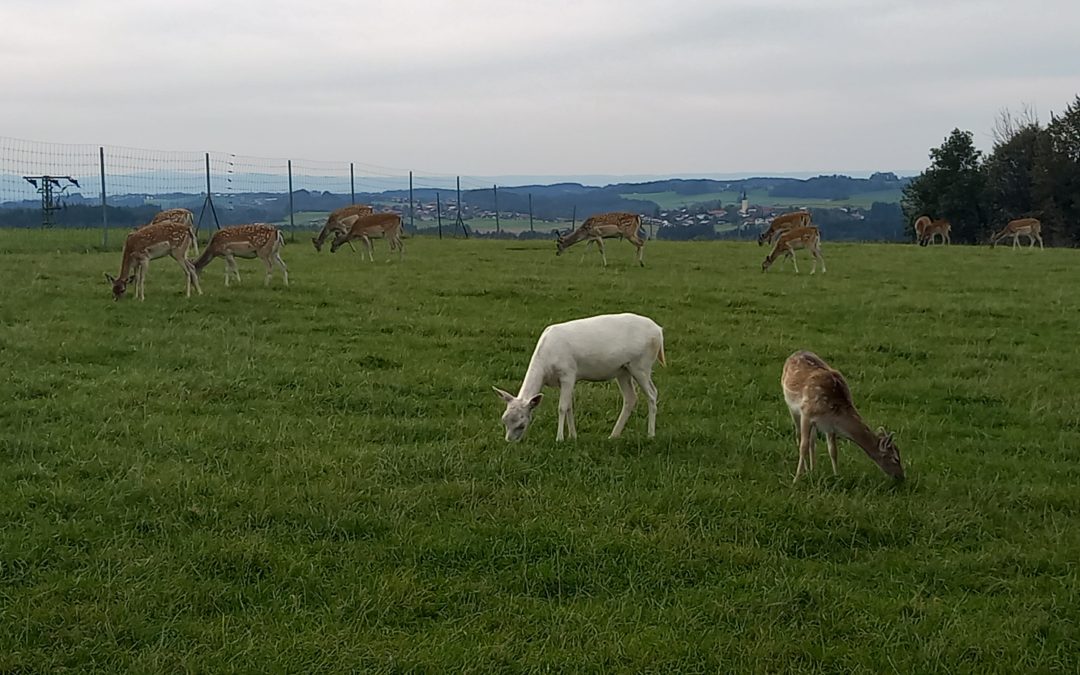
257, 240
387, 225
819, 400
1028, 227
927, 230
180, 216
793, 240
151, 242
339, 222
603, 226
783, 223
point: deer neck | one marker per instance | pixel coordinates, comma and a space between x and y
534, 377
854, 428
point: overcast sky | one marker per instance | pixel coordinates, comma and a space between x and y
487, 87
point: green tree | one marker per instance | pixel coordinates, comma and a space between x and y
952, 188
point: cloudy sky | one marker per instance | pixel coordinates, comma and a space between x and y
488, 87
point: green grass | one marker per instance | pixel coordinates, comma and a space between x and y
314, 478
672, 200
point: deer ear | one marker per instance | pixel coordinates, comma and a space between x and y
109, 278
130, 279
535, 401
503, 395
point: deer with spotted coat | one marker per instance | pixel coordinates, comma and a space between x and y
258, 240
150, 242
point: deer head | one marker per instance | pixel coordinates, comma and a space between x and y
518, 413
888, 455
339, 240
317, 243
119, 286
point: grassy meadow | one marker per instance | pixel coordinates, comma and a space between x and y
314, 479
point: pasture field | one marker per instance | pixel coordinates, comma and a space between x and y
315, 479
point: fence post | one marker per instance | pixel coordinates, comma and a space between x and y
412, 220
352, 184
573, 219
104, 209
292, 222
438, 212
495, 192
530, 214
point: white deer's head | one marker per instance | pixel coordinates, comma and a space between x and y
518, 413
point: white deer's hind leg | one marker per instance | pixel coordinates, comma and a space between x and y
643, 376
626, 386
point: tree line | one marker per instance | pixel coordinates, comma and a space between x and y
1033, 170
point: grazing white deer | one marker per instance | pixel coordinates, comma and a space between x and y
339, 222
169, 237
620, 347
257, 240
819, 399
794, 239
386, 225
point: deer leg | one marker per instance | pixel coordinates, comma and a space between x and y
626, 386
644, 379
585, 251
640, 252
370, 249
806, 435
281, 264
794, 262
566, 402
140, 279
1039, 237
830, 438
603, 254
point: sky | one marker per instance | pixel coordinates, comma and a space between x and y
555, 87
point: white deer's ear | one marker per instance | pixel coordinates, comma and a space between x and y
503, 395
535, 401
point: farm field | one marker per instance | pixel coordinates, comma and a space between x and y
315, 478
671, 200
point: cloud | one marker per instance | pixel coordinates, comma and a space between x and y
486, 87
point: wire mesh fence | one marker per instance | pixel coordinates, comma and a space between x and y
115, 188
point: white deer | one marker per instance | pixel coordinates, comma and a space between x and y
620, 347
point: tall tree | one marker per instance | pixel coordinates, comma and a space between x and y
953, 188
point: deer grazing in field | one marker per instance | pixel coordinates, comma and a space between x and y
387, 225
794, 239
148, 243
1028, 227
339, 222
257, 240
176, 215
597, 228
620, 347
927, 230
819, 400
783, 223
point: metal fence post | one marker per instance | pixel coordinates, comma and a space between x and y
495, 193
104, 207
438, 212
292, 222
412, 219
352, 184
